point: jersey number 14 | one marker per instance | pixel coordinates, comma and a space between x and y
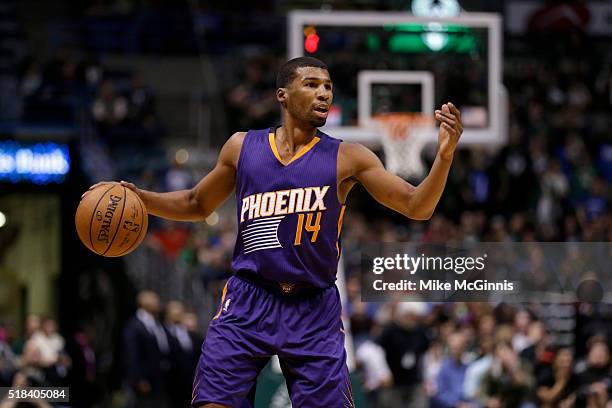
309, 227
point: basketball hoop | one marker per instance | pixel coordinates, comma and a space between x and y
403, 138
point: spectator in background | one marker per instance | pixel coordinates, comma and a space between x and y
478, 180
253, 102
432, 362
146, 360
583, 172
82, 375
92, 71
537, 352
371, 360
144, 124
8, 360
553, 189
183, 352
477, 369
31, 81
141, 99
512, 173
32, 326
596, 202
520, 340
404, 341
109, 108
48, 342
37, 374
593, 374
171, 238
452, 374
555, 388
508, 383
362, 323
213, 263
190, 321
30, 366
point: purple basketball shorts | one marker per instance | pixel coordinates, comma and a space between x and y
253, 324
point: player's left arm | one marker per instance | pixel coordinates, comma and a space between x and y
416, 202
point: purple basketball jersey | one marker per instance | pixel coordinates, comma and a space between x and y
289, 216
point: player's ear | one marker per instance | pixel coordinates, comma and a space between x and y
281, 94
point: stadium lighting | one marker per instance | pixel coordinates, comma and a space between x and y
2, 219
432, 8
212, 219
181, 156
435, 39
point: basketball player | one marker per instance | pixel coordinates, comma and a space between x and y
291, 186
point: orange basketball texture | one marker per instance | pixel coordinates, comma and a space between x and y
111, 220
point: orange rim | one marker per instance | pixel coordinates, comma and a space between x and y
397, 124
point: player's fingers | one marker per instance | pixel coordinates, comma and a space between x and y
98, 184
456, 119
454, 110
452, 130
449, 121
128, 185
448, 127
445, 108
448, 115
444, 114
444, 119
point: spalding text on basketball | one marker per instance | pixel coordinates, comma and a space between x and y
103, 234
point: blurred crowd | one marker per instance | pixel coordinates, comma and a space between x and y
42, 357
157, 354
71, 86
109, 112
551, 182
474, 355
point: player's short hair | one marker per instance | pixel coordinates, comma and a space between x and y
286, 73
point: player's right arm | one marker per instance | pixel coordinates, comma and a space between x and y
199, 202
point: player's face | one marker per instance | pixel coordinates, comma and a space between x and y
309, 95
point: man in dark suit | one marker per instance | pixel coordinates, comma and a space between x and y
190, 321
183, 355
146, 355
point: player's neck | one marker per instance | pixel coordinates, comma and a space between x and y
294, 136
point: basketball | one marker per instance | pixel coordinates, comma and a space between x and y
111, 220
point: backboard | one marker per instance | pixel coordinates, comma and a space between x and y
462, 55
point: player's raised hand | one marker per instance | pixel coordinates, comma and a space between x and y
450, 129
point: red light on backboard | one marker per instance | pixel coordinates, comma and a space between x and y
311, 43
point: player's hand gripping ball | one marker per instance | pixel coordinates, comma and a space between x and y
111, 220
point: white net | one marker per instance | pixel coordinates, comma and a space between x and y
404, 136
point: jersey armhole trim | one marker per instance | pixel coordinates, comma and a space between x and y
242, 149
